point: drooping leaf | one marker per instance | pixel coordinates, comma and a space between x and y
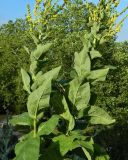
47, 127
99, 116
28, 149
67, 115
22, 119
26, 80
79, 94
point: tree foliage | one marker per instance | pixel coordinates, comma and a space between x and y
12, 55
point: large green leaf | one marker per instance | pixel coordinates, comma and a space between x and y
28, 149
26, 80
50, 75
99, 116
60, 106
82, 63
98, 75
67, 115
42, 92
40, 97
65, 143
79, 94
47, 127
73, 141
22, 119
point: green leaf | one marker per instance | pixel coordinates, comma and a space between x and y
61, 107
99, 116
98, 75
86, 153
42, 92
95, 28
22, 119
50, 75
26, 80
26, 136
77, 134
33, 68
102, 157
82, 63
65, 143
79, 94
41, 49
88, 145
27, 50
102, 40
28, 149
48, 127
36, 41
73, 141
67, 115
40, 97
95, 54
111, 67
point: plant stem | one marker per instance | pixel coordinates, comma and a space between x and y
35, 127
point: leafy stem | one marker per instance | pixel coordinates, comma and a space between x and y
34, 124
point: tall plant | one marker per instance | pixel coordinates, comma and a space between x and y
38, 86
60, 114
63, 21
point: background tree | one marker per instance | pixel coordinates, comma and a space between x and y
12, 56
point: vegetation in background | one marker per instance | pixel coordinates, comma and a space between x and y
64, 27
12, 56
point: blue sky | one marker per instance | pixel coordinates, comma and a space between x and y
12, 9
